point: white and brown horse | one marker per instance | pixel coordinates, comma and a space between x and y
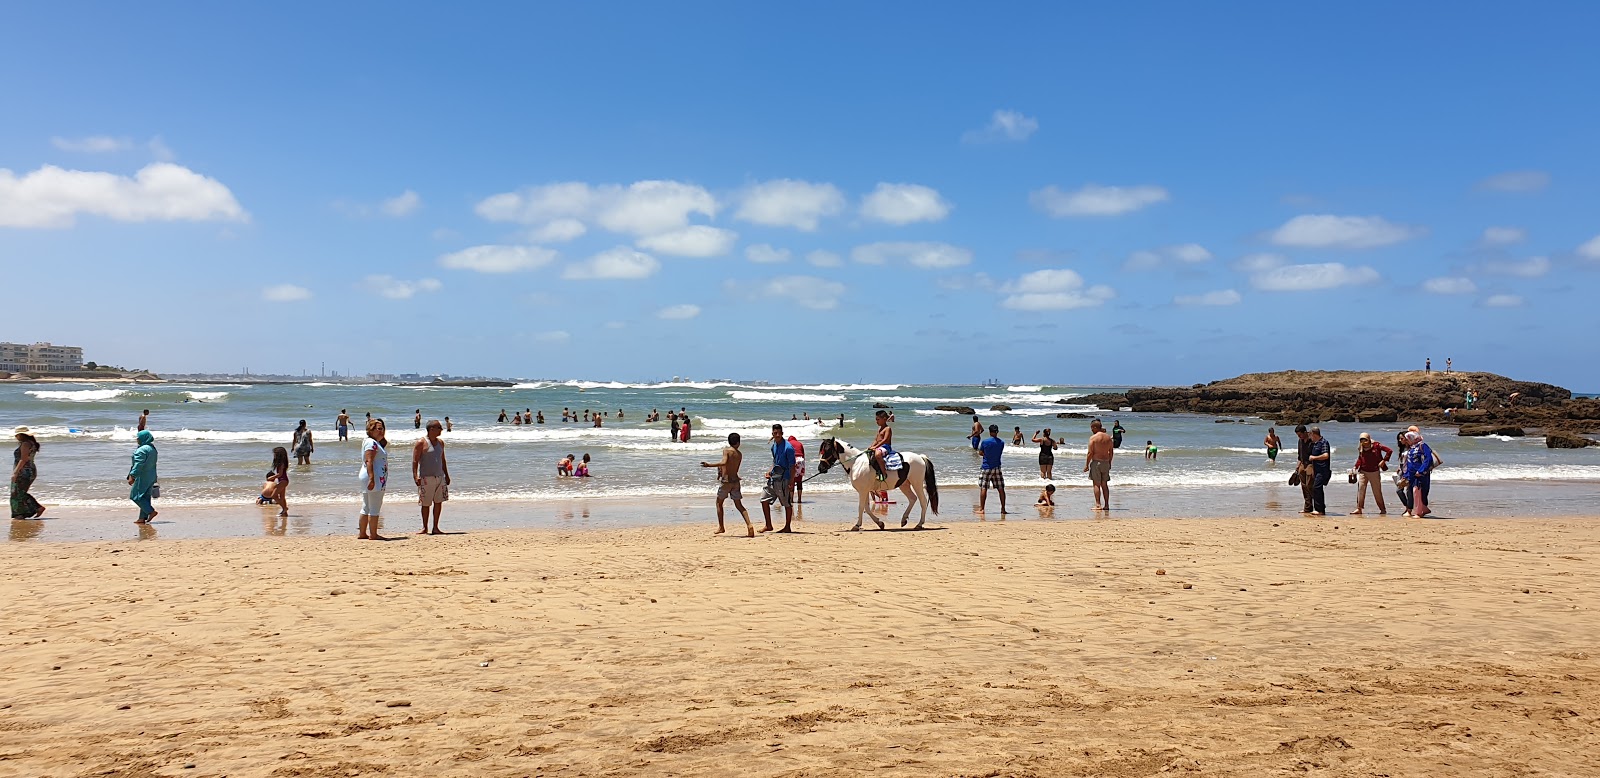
918, 484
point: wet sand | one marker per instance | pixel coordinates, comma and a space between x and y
1338, 646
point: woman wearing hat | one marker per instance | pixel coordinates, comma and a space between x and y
23, 471
1371, 460
142, 476
1418, 471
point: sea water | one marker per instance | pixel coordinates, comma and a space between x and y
215, 444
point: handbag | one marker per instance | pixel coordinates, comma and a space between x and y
1352, 476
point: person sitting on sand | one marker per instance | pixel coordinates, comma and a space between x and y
564, 467
583, 468
1048, 496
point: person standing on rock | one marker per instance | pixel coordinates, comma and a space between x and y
1371, 461
1427, 366
1321, 461
1302, 468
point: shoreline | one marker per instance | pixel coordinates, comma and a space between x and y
1222, 648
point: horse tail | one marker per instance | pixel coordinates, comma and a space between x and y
933, 487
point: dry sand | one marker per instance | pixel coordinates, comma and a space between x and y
1333, 647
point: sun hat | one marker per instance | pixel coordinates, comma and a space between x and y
1366, 436
21, 431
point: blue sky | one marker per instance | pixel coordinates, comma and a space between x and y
906, 192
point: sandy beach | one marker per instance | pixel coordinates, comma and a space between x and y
1341, 646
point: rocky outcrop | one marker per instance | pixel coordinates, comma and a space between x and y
962, 409
1311, 397
1073, 416
882, 405
1567, 440
999, 407
1480, 430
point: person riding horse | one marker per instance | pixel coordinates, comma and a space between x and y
882, 446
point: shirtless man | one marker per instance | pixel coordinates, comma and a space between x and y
144, 420
976, 435
343, 423
1097, 463
416, 421
1273, 444
728, 484
882, 444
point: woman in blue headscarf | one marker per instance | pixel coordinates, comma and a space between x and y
142, 476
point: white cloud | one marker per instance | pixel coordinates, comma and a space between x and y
1516, 181
1449, 285
620, 263
789, 203
1219, 297
498, 259
1503, 236
765, 254
678, 312
615, 325
1347, 232
403, 204
558, 231
396, 289
818, 294
693, 241
94, 144
1096, 200
641, 208
1189, 253
903, 204
553, 336
1003, 126
923, 254
285, 293
1590, 249
1502, 301
1259, 263
160, 150
1055, 289
1304, 278
1532, 267
821, 258
53, 197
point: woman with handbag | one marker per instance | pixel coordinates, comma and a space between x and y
142, 485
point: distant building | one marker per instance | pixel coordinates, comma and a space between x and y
39, 358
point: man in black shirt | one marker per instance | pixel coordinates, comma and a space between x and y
1303, 467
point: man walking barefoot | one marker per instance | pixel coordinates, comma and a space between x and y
1097, 463
1321, 461
990, 474
431, 473
778, 481
1303, 466
728, 484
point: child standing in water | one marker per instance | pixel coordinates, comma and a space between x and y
1150, 451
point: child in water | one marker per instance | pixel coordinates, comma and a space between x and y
1150, 451
565, 466
1048, 496
583, 468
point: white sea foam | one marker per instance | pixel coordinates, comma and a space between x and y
1023, 388
207, 396
921, 412
785, 397
79, 395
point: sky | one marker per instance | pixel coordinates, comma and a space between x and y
913, 192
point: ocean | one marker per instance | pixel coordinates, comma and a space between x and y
216, 442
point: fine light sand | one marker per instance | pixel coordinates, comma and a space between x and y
1339, 647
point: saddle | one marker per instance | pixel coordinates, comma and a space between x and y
896, 463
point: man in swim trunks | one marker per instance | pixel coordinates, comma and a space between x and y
976, 436
1272, 443
728, 483
1097, 463
882, 445
343, 422
777, 489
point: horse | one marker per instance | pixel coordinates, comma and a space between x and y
918, 483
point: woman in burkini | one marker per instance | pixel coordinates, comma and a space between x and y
280, 480
142, 476
23, 473
1047, 455
1418, 471
302, 444
374, 479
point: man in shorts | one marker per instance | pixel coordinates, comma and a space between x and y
1097, 463
728, 483
343, 423
777, 489
990, 475
431, 473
